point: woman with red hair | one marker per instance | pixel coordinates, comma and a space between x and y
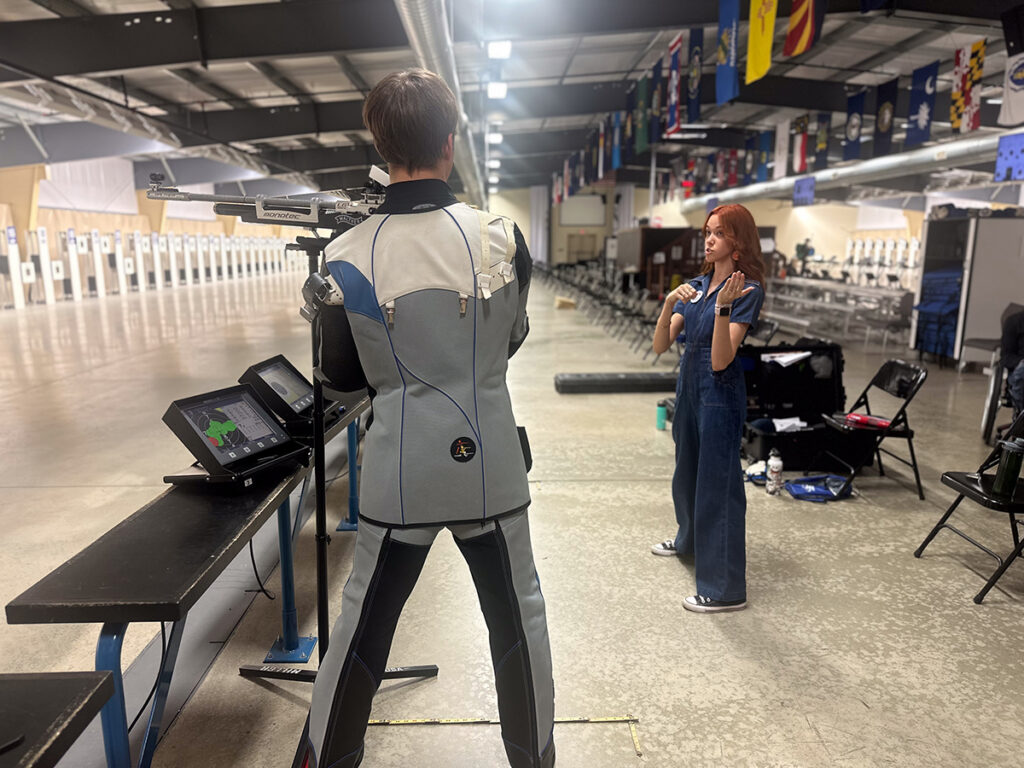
714, 310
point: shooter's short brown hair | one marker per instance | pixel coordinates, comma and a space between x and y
410, 114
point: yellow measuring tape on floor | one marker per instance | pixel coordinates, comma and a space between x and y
632, 721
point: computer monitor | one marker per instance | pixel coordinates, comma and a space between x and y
228, 431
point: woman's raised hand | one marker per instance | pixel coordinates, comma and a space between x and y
683, 293
732, 289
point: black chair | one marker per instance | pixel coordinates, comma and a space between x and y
766, 330
898, 379
977, 486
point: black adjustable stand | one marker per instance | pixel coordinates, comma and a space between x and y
313, 247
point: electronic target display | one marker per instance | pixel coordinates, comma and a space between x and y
293, 389
227, 429
280, 386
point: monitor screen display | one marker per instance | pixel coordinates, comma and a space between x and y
234, 425
291, 388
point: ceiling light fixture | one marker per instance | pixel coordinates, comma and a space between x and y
499, 49
492, 190
494, 138
493, 179
494, 163
496, 89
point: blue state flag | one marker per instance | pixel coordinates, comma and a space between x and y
617, 141
922, 104
764, 153
854, 123
694, 71
884, 113
655, 124
727, 79
749, 160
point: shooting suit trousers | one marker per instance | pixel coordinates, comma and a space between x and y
707, 487
387, 564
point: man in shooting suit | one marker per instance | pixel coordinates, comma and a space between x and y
434, 296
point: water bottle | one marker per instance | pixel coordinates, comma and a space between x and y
774, 473
660, 417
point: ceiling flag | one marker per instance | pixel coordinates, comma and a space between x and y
886, 109
609, 139
1012, 110
694, 72
556, 189
764, 153
732, 175
922, 104
617, 141
672, 98
805, 22
781, 150
749, 160
600, 150
654, 121
800, 126
760, 38
854, 122
727, 81
821, 139
566, 180
628, 142
965, 101
641, 124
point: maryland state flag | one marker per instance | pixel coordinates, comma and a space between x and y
805, 22
760, 38
800, 126
965, 101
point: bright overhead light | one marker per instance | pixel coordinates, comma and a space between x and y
493, 179
492, 190
994, 101
494, 163
495, 138
496, 89
499, 49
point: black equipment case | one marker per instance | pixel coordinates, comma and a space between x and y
806, 389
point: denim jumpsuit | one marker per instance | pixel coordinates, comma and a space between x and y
707, 487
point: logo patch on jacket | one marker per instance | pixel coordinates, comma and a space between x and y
463, 449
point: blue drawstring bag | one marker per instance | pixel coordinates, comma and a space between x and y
819, 488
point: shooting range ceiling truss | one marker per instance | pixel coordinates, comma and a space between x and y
218, 89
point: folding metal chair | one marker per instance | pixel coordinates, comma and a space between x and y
977, 486
898, 379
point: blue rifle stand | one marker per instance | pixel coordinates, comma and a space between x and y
352, 523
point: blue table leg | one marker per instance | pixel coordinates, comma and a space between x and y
156, 712
113, 715
289, 647
352, 523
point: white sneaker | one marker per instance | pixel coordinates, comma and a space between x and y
665, 548
701, 604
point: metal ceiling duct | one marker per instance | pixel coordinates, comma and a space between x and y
940, 156
425, 23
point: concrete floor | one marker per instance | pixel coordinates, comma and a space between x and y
851, 653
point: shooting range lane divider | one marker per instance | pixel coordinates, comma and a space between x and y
628, 719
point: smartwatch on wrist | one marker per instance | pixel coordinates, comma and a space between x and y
723, 311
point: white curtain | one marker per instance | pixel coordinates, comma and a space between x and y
103, 186
177, 209
540, 211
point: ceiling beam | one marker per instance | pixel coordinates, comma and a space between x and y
325, 159
198, 79
63, 7
120, 42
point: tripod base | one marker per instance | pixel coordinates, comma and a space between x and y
268, 672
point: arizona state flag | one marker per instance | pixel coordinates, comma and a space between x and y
965, 101
800, 126
804, 30
760, 38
